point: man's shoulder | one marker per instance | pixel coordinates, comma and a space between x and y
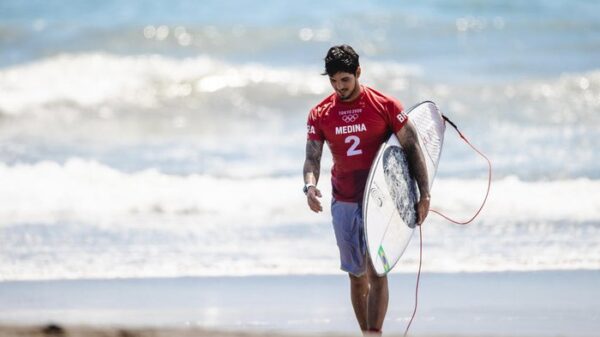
378, 95
323, 107
380, 99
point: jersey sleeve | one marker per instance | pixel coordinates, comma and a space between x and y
397, 115
313, 131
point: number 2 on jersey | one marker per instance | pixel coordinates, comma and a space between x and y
353, 150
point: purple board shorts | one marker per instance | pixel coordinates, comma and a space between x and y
349, 233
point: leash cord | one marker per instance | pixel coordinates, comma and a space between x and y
449, 219
489, 183
418, 279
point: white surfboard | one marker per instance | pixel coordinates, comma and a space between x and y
391, 193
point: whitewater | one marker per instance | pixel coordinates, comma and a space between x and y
171, 144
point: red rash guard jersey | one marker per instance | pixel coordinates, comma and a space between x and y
354, 131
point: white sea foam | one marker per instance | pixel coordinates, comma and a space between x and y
88, 80
46, 190
84, 219
93, 79
176, 149
35, 192
149, 102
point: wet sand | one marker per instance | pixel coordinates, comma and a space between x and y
545, 304
52, 330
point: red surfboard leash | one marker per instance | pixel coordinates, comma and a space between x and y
458, 222
489, 184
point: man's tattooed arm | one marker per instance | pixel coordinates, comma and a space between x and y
418, 169
416, 162
312, 163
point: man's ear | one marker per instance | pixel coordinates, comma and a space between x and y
358, 72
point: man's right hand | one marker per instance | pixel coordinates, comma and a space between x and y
312, 196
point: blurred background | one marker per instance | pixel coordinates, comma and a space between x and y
166, 138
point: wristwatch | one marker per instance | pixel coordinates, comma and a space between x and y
307, 186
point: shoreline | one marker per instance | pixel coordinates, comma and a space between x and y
337, 273
542, 303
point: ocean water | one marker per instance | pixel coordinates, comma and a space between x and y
166, 139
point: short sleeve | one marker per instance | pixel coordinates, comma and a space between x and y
313, 131
397, 115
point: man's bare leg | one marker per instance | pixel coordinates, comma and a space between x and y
370, 296
378, 298
359, 292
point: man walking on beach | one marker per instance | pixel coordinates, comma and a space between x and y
354, 121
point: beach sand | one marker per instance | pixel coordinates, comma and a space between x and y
80, 331
546, 303
52, 330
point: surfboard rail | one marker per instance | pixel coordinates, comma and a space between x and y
391, 193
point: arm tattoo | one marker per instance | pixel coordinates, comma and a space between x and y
416, 162
312, 163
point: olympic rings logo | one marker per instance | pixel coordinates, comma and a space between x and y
350, 118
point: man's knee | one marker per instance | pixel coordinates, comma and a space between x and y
378, 283
358, 279
359, 282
